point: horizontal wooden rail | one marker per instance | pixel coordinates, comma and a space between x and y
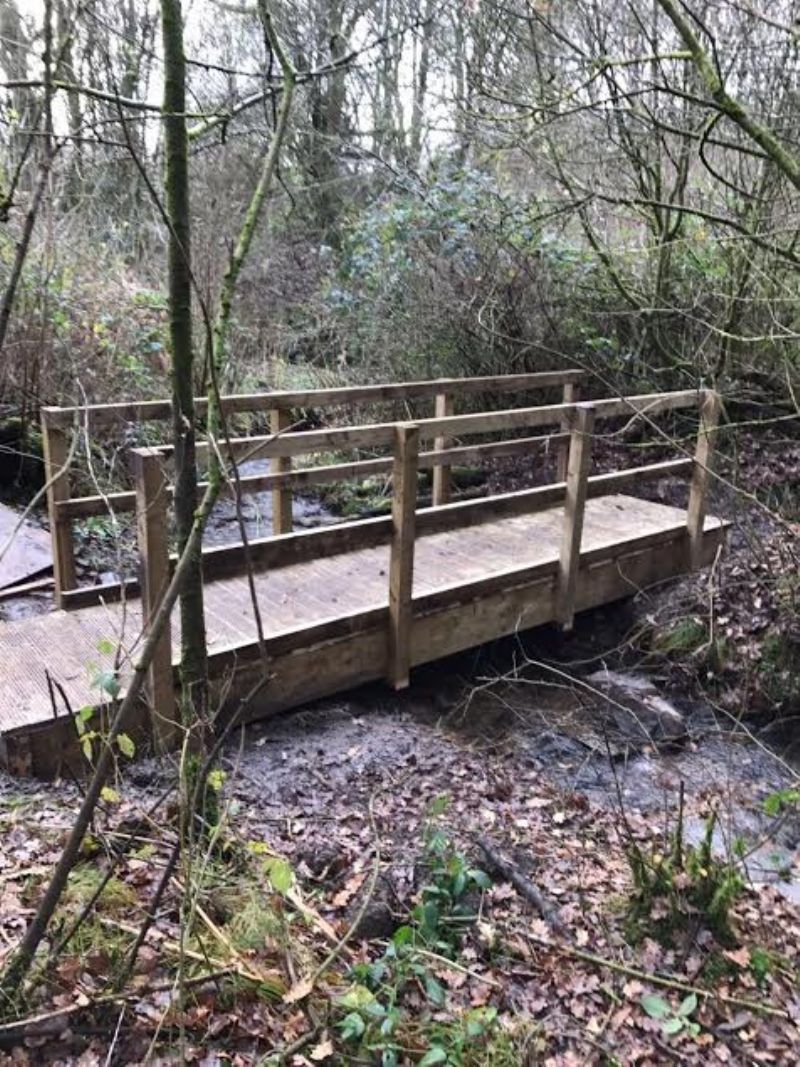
99, 415
305, 545
85, 506
307, 442
311, 441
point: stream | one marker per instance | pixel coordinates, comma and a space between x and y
99, 560
313, 759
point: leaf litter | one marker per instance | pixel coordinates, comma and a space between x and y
582, 986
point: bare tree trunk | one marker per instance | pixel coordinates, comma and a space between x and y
24, 243
421, 85
763, 136
45, 166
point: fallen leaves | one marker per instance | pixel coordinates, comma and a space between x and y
299, 991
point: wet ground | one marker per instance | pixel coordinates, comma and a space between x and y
318, 764
536, 726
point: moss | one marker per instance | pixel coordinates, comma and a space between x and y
98, 934
353, 499
117, 897
689, 638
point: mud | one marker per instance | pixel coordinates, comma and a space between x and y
322, 761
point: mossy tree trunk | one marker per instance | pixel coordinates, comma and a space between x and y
193, 632
767, 139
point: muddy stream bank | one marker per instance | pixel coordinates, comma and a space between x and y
310, 764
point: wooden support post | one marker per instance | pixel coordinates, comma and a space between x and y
55, 442
280, 420
441, 472
701, 474
580, 452
153, 536
401, 567
570, 396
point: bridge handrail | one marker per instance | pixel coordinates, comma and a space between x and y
443, 430
99, 415
309, 442
271, 552
81, 507
57, 422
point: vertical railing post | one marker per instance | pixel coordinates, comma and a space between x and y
55, 444
153, 537
441, 472
577, 479
401, 565
569, 396
701, 474
280, 420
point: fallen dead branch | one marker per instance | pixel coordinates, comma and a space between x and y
509, 872
53, 1022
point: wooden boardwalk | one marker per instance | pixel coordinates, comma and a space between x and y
329, 603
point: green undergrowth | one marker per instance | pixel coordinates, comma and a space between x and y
373, 496
242, 901
105, 932
395, 1006
690, 640
680, 888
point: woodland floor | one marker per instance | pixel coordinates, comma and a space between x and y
344, 793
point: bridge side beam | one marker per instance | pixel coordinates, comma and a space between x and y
701, 474
580, 454
401, 565
153, 536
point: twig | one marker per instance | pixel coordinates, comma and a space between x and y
273, 982
116, 1036
659, 980
454, 965
36, 1025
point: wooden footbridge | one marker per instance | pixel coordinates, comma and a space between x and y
360, 600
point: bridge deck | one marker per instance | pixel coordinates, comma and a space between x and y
324, 600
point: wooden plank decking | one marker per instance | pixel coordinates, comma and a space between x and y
326, 619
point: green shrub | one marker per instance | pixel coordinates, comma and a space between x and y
680, 890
